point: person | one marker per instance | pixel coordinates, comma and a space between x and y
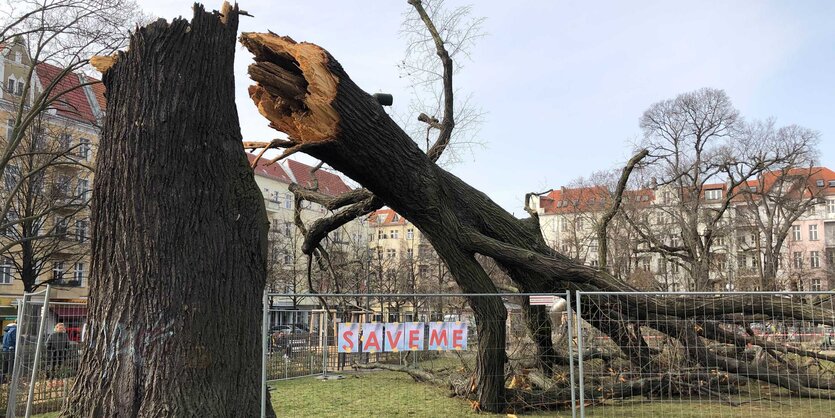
9, 342
57, 346
9, 337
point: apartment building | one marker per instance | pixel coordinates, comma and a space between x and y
57, 197
403, 260
287, 265
740, 238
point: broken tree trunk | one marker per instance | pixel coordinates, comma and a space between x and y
180, 234
303, 91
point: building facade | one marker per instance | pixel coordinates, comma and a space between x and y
792, 213
47, 227
287, 267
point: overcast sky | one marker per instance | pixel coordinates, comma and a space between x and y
563, 83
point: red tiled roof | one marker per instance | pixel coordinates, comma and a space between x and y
73, 102
584, 199
329, 183
385, 217
817, 181
273, 171
98, 91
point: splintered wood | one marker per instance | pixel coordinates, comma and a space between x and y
295, 87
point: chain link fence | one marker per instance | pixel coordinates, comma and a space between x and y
40, 355
363, 347
741, 354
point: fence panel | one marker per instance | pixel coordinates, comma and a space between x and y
58, 360
343, 354
706, 354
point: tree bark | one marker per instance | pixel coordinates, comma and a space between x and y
180, 234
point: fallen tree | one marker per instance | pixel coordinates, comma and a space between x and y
304, 92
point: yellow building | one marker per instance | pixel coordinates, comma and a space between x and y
404, 260
67, 132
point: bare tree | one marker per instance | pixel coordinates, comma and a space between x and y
51, 41
701, 154
47, 208
775, 200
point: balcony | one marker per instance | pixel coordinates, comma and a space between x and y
272, 205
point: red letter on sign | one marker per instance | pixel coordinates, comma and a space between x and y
370, 340
438, 339
457, 337
414, 335
347, 337
393, 343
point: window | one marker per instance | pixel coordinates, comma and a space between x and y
796, 232
797, 258
662, 266
721, 265
58, 271
11, 176
6, 271
674, 267
742, 261
395, 234
830, 205
64, 141
819, 183
564, 248
645, 264
287, 229
81, 230
9, 129
391, 253
84, 149
380, 234
563, 225
719, 240
816, 285
410, 252
379, 253
19, 91
814, 259
10, 86
594, 263
831, 183
78, 274
579, 223
63, 186
666, 198
60, 225
288, 258
288, 201
813, 232
380, 218
82, 189
410, 234
395, 218
714, 194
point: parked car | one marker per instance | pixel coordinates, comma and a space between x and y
289, 329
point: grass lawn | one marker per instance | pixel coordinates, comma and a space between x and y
384, 393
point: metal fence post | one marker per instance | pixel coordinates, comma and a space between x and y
11, 403
570, 324
265, 331
323, 320
580, 354
41, 327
